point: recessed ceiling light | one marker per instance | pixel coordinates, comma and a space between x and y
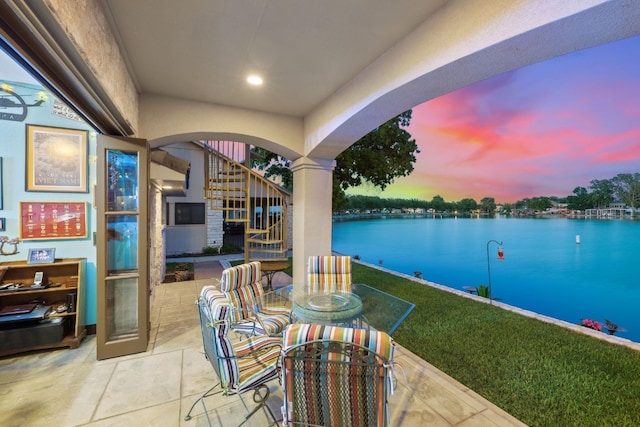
254, 80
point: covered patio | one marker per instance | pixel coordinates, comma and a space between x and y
157, 387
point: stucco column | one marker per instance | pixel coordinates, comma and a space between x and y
312, 194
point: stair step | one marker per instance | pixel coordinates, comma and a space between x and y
265, 241
267, 251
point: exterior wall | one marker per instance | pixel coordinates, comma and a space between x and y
89, 31
191, 238
215, 233
157, 237
13, 154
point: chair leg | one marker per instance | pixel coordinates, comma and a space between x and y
261, 400
201, 399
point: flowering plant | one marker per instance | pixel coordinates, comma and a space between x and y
592, 324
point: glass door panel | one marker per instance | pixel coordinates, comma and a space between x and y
122, 244
122, 313
122, 177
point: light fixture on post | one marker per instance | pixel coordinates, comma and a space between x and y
500, 257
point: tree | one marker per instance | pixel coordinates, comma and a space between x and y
438, 204
581, 199
523, 204
386, 153
602, 192
540, 203
627, 187
273, 165
488, 204
466, 205
379, 157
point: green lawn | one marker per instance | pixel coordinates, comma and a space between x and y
542, 374
171, 266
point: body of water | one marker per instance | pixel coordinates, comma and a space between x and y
544, 269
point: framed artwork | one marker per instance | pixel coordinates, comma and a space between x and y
3, 224
56, 160
53, 220
41, 256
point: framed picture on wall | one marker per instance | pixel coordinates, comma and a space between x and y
53, 220
56, 160
41, 256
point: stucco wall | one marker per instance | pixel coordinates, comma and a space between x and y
87, 27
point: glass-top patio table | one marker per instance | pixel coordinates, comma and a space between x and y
375, 308
334, 308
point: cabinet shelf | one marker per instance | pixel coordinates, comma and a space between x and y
28, 291
69, 273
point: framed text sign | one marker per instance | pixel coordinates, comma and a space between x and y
46, 220
56, 159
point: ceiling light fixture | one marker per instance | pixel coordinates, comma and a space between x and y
254, 80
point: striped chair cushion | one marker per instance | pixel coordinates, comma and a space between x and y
329, 273
272, 322
238, 371
377, 341
241, 284
333, 388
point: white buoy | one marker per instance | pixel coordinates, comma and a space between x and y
577, 239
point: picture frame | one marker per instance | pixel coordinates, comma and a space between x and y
41, 256
53, 220
3, 224
56, 159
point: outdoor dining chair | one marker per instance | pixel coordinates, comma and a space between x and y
335, 376
242, 285
241, 366
329, 273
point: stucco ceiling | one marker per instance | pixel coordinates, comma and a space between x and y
306, 50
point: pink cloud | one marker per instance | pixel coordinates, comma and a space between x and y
541, 130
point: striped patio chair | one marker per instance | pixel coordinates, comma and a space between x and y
334, 376
329, 273
242, 286
241, 366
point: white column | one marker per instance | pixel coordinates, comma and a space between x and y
312, 194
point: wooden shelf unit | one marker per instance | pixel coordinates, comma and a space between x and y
69, 273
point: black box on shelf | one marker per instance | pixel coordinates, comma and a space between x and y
21, 335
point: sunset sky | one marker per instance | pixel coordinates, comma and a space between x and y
538, 131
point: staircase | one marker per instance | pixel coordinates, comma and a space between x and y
246, 198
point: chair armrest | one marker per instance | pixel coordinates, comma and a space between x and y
256, 345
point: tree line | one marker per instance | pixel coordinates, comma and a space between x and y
623, 188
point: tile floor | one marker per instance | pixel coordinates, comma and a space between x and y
156, 388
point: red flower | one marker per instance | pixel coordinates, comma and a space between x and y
592, 324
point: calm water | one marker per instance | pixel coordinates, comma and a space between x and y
544, 270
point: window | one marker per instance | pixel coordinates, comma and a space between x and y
189, 213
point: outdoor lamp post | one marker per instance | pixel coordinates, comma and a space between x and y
500, 257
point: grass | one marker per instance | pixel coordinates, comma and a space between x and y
171, 266
542, 374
